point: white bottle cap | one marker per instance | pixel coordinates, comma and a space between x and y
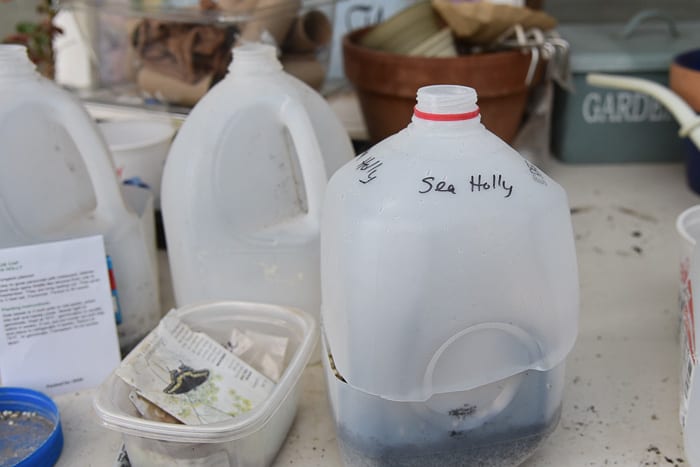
446, 102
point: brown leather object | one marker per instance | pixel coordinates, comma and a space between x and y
187, 52
386, 85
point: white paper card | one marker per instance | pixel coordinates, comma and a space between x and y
57, 328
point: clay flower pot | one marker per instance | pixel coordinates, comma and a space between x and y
386, 84
684, 77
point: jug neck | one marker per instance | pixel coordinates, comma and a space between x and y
446, 108
254, 59
15, 63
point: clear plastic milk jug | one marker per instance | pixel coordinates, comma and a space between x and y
58, 182
244, 183
450, 294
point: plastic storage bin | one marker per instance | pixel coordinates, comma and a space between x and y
168, 53
450, 294
252, 439
58, 182
592, 125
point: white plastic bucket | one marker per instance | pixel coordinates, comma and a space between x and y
139, 149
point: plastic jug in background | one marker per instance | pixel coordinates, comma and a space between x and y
450, 294
58, 182
243, 187
689, 331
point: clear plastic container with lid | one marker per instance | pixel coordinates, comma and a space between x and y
450, 294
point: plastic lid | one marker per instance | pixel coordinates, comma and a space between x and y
32, 445
445, 102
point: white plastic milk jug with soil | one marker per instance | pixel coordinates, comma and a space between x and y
450, 294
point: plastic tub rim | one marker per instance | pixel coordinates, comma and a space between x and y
241, 426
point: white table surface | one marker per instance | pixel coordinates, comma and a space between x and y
622, 393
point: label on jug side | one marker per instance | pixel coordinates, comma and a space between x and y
369, 170
369, 167
474, 184
535, 172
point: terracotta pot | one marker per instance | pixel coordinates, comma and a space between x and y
386, 85
684, 77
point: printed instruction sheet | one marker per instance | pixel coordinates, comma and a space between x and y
57, 324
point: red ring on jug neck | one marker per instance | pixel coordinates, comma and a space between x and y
445, 117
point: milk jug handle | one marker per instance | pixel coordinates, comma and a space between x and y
313, 171
105, 185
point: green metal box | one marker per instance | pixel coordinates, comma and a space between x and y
591, 125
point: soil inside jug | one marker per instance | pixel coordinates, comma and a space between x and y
507, 439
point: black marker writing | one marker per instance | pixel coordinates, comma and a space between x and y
536, 174
370, 167
440, 187
496, 181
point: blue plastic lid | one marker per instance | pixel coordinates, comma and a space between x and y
38, 438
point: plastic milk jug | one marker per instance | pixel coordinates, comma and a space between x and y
450, 294
58, 182
243, 187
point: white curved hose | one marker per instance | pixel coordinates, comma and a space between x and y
686, 116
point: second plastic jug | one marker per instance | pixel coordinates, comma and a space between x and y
243, 186
58, 182
450, 294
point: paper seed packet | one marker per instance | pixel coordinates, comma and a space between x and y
191, 376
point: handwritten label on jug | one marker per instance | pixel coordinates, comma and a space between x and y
495, 182
369, 168
475, 184
535, 172
441, 186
